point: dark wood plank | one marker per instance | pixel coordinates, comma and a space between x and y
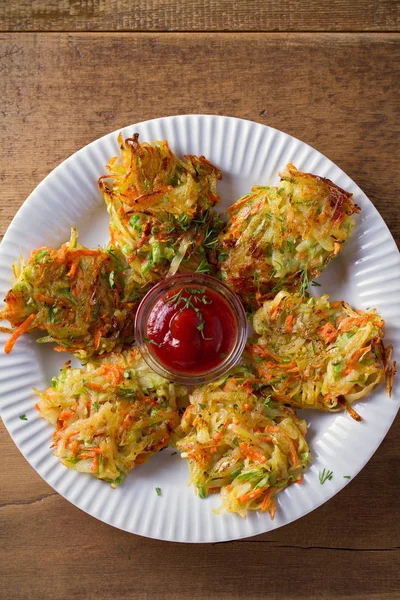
207, 15
61, 91
346, 548
338, 93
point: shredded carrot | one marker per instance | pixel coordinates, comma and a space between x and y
97, 338
251, 495
328, 332
74, 266
355, 358
293, 368
267, 499
95, 464
290, 320
62, 253
229, 384
293, 452
272, 429
350, 322
18, 332
239, 203
247, 385
264, 374
91, 453
257, 349
127, 421
252, 453
65, 414
112, 372
95, 386
274, 313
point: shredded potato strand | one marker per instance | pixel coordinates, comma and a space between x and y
110, 416
228, 449
85, 300
160, 210
331, 357
280, 238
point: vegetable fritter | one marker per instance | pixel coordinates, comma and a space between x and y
312, 353
160, 209
83, 299
111, 415
279, 238
241, 443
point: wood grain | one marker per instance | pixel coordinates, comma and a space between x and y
338, 93
347, 547
61, 91
204, 15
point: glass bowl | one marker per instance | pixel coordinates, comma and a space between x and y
179, 281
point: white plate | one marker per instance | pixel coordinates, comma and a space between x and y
367, 273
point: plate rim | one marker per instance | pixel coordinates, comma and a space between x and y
53, 173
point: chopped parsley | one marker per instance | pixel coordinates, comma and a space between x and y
23, 417
158, 490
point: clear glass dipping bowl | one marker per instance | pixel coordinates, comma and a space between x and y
158, 292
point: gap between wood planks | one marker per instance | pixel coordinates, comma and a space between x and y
203, 31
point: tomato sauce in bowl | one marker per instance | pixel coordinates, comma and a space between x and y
191, 328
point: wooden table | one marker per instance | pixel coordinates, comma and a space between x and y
325, 72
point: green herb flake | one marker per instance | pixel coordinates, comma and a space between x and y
96, 406
150, 341
203, 267
346, 476
267, 400
23, 417
158, 490
325, 475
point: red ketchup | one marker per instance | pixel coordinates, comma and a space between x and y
191, 329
